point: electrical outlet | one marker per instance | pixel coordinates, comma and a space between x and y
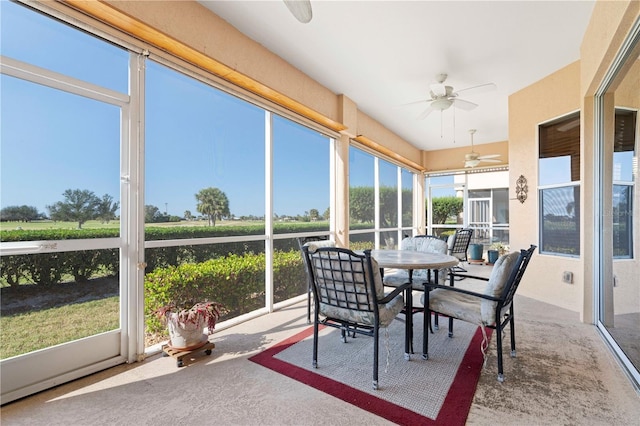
567, 277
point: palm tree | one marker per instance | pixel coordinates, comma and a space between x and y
212, 203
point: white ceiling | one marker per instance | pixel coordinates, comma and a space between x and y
383, 54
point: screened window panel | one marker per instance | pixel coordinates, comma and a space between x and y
361, 187
216, 142
47, 43
622, 221
560, 220
388, 181
301, 175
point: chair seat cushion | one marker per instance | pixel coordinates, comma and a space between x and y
387, 312
396, 279
457, 305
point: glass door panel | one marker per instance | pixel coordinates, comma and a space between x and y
62, 128
618, 291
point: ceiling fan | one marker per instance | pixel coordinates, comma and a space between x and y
473, 159
442, 97
301, 9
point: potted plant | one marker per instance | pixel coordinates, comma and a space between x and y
186, 322
475, 252
502, 249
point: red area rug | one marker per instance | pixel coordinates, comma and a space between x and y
456, 390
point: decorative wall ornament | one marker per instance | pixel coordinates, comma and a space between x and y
521, 188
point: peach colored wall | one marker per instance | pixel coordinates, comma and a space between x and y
369, 126
554, 96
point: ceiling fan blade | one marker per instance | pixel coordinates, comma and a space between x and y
479, 88
471, 163
484, 157
485, 160
301, 9
462, 104
426, 112
414, 103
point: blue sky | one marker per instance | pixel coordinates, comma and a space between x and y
196, 136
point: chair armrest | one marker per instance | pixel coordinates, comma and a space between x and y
461, 290
396, 291
456, 274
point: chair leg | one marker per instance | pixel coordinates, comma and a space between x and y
408, 338
499, 345
425, 329
450, 327
375, 358
308, 303
513, 334
315, 342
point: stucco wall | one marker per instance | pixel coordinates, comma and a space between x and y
552, 97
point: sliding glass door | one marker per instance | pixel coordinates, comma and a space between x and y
65, 122
618, 140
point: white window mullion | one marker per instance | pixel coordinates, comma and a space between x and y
376, 201
268, 210
132, 215
399, 191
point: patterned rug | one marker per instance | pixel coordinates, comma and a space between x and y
436, 391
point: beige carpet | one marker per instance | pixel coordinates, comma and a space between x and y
418, 385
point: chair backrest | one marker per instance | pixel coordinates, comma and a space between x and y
458, 243
343, 279
313, 242
517, 273
504, 281
424, 243
303, 240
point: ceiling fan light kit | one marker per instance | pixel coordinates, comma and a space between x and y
441, 104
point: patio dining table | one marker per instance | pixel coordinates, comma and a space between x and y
411, 260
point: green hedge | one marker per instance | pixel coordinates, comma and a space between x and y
51, 268
235, 281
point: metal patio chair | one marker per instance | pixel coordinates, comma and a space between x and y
492, 308
348, 294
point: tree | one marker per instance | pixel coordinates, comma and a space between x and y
361, 204
19, 214
314, 214
213, 203
188, 215
327, 213
445, 208
151, 214
78, 206
106, 209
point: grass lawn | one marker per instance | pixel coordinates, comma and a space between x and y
30, 331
